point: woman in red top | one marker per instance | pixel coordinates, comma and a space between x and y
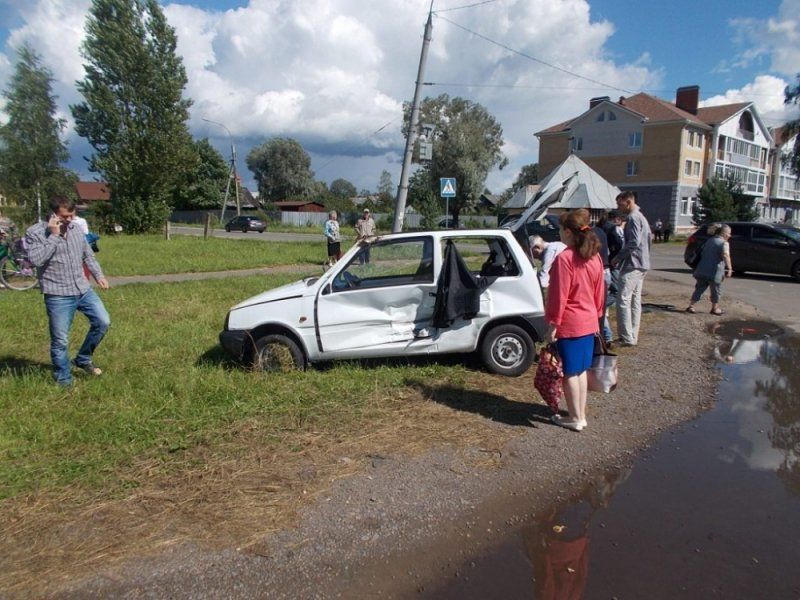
575, 303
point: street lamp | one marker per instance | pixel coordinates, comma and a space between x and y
231, 175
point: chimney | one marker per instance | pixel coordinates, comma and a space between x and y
687, 98
595, 101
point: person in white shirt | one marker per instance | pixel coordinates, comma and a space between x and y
546, 252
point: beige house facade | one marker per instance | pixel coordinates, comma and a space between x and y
664, 151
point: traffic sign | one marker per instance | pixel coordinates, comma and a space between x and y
447, 187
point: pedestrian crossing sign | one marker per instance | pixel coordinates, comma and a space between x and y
447, 187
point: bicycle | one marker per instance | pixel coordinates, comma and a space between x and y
16, 271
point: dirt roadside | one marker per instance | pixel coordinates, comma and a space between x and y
379, 521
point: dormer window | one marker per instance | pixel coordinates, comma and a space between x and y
601, 116
612, 116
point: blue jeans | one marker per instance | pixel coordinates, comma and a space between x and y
60, 312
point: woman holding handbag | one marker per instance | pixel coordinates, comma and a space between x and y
575, 303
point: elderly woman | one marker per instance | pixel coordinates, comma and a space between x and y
333, 237
575, 305
714, 266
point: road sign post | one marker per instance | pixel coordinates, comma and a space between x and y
447, 190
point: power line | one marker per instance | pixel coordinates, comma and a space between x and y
464, 6
561, 87
533, 58
366, 138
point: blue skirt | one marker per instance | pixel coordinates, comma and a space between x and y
576, 353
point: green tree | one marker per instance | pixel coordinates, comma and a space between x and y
134, 114
385, 201
423, 199
203, 181
467, 145
792, 96
31, 150
714, 202
282, 170
342, 188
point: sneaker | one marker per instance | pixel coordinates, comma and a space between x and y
90, 368
573, 425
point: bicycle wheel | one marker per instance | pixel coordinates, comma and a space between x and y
15, 276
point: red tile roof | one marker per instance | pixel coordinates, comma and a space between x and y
656, 110
717, 114
92, 191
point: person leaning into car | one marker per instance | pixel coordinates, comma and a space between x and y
714, 266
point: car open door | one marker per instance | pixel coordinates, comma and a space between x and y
384, 295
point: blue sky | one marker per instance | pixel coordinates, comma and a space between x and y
331, 72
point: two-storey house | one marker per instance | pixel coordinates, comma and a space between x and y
664, 151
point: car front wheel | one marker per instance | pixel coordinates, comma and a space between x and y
507, 350
796, 271
278, 353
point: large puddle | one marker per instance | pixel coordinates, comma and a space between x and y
711, 511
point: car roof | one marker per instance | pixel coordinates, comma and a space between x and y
450, 233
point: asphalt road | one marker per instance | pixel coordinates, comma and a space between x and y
777, 297
267, 236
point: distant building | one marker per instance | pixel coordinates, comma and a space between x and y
300, 206
784, 191
488, 201
521, 199
92, 191
664, 151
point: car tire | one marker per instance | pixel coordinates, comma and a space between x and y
244, 229
227, 229
276, 352
796, 271
507, 350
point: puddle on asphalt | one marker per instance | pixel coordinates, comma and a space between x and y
712, 510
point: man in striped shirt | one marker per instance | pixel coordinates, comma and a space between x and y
59, 249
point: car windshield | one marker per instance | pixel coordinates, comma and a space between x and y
792, 232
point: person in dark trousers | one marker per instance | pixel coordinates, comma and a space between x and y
667, 231
611, 224
59, 249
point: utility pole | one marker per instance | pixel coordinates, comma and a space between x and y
232, 175
411, 137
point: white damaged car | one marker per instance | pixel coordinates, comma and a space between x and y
400, 295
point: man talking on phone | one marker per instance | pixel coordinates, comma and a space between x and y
59, 249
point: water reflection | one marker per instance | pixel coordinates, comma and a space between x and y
782, 393
557, 545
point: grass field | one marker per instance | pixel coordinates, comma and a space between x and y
152, 254
166, 387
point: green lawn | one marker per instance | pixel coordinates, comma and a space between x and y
152, 254
167, 386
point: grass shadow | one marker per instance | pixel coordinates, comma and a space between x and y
492, 406
217, 357
16, 367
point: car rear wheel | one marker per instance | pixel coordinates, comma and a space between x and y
507, 350
796, 271
278, 353
244, 229
228, 229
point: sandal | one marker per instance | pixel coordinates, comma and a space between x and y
691, 310
718, 312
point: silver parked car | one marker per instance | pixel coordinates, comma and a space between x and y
400, 295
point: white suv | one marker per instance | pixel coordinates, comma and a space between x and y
379, 301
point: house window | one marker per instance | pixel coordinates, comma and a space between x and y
687, 206
577, 143
696, 169
612, 116
691, 138
687, 168
699, 141
635, 139
633, 168
601, 117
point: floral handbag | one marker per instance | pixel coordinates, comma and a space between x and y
549, 377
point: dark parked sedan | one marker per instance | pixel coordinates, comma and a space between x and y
757, 247
246, 223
